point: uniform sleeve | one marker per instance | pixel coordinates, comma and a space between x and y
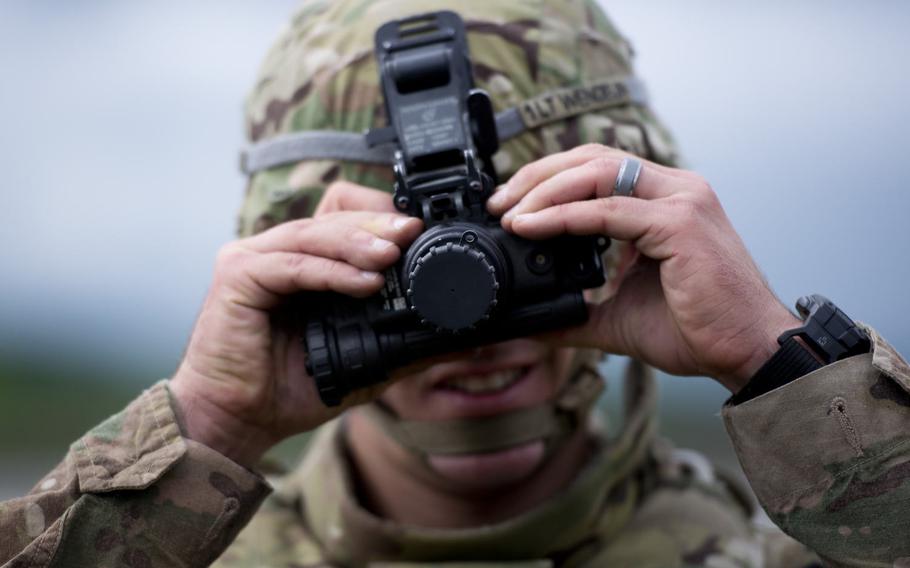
828, 456
132, 492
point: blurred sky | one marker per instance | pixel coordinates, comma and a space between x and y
120, 123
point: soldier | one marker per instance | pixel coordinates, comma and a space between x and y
171, 481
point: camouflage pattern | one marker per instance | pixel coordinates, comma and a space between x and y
131, 492
827, 455
321, 75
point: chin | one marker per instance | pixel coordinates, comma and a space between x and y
489, 471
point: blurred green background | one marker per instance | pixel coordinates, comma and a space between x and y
121, 124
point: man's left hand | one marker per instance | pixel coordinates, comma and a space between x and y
692, 302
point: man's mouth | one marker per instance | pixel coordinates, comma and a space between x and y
477, 386
488, 383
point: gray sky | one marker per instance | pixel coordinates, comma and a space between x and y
121, 122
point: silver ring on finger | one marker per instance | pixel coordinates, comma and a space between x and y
627, 178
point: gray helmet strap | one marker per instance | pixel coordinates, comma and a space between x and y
553, 422
545, 108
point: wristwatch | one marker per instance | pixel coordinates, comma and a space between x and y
828, 335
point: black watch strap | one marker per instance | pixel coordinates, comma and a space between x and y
828, 332
788, 363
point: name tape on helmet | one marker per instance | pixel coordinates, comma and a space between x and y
560, 104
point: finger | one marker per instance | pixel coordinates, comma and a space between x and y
334, 232
400, 229
534, 173
346, 196
594, 178
647, 223
337, 241
283, 273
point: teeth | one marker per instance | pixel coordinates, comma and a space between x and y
485, 383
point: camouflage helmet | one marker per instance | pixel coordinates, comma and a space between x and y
321, 76
556, 64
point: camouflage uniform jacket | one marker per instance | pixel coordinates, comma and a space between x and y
827, 455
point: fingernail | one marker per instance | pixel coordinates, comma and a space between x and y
367, 275
381, 244
499, 197
399, 222
524, 218
508, 217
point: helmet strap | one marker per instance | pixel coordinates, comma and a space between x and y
553, 422
546, 108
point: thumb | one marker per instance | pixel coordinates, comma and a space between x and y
601, 331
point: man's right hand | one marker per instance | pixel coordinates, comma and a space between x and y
242, 386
